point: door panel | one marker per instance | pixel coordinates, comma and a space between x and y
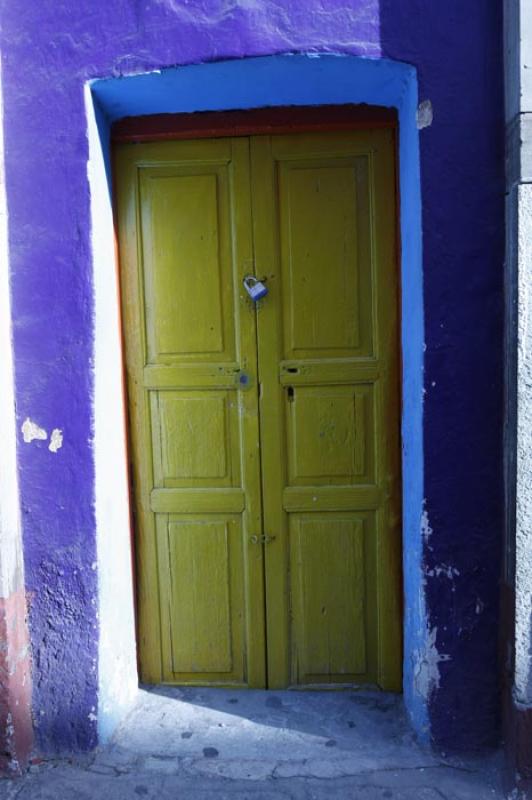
186, 253
196, 438
202, 602
330, 437
323, 214
185, 242
323, 208
328, 591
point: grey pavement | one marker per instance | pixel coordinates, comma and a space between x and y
197, 744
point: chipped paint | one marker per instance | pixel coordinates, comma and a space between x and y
56, 440
424, 115
31, 431
426, 530
426, 666
443, 569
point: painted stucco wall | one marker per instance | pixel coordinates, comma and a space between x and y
16, 734
519, 180
517, 575
49, 51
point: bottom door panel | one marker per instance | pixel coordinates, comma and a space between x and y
202, 598
331, 566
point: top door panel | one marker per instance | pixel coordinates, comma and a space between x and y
326, 251
326, 254
187, 263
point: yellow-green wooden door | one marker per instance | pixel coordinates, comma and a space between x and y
324, 233
185, 244
265, 439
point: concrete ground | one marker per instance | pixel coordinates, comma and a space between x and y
197, 744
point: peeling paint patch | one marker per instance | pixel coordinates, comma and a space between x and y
426, 530
426, 667
30, 431
56, 440
425, 115
443, 569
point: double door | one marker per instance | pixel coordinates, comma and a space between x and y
264, 436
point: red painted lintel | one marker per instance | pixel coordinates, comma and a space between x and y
266, 121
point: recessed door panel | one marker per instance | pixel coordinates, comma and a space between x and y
187, 262
330, 435
196, 438
323, 208
202, 596
328, 591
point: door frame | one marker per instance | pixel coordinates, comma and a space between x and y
251, 83
288, 121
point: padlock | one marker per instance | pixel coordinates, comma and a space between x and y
255, 288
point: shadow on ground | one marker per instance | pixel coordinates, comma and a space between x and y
217, 743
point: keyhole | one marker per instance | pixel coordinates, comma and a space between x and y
290, 394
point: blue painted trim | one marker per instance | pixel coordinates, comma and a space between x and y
412, 335
317, 80
255, 83
104, 131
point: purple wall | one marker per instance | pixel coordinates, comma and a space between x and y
459, 58
49, 48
